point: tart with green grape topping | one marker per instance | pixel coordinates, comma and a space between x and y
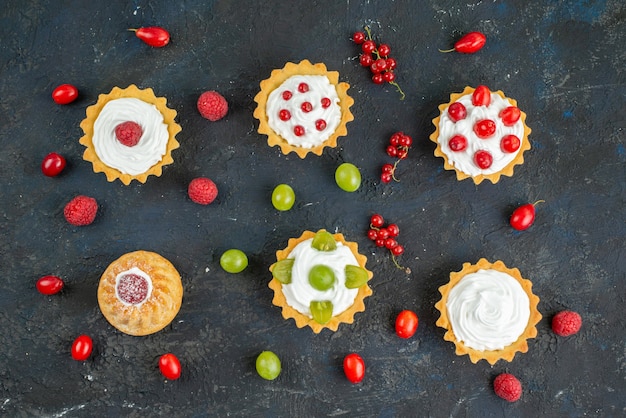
320, 280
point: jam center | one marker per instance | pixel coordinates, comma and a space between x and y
132, 288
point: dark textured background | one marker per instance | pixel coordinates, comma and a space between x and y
563, 61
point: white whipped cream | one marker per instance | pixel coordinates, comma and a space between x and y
464, 160
152, 144
319, 88
299, 293
138, 272
488, 310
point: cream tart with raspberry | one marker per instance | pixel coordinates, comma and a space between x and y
129, 134
140, 293
481, 134
303, 108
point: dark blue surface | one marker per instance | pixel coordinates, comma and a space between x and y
562, 61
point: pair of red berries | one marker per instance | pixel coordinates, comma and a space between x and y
398, 147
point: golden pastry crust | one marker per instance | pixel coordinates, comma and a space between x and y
146, 95
276, 78
495, 177
492, 356
161, 306
302, 320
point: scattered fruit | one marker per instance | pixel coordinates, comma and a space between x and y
283, 197
169, 365
153, 35
53, 164
348, 177
49, 285
81, 210
234, 261
354, 367
82, 347
202, 190
398, 147
385, 237
212, 105
406, 324
469, 43
507, 387
566, 323
268, 365
64, 94
524, 216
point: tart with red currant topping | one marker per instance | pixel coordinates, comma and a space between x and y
129, 134
140, 293
303, 108
481, 134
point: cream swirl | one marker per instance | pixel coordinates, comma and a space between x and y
152, 144
299, 293
464, 160
319, 89
488, 310
133, 287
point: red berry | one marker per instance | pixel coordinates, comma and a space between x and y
390, 243
402, 153
287, 95
128, 133
64, 94
81, 210
284, 115
306, 107
566, 323
49, 285
53, 164
470, 43
457, 111
392, 151
380, 242
485, 128
386, 177
384, 50
383, 233
507, 387
457, 143
354, 367
395, 139
406, 324
483, 159
303, 87
366, 60
153, 35
510, 115
372, 234
393, 230
358, 38
169, 365
389, 76
391, 63
481, 96
510, 143
377, 221
374, 68
82, 347
298, 130
381, 64
397, 250
325, 102
406, 141
378, 78
368, 46
524, 216
212, 105
202, 190
388, 168
320, 124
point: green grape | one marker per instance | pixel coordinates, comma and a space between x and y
356, 276
348, 177
268, 365
282, 270
322, 311
283, 197
321, 277
234, 261
324, 241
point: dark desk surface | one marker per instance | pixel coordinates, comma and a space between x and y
563, 61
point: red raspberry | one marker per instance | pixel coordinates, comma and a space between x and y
212, 105
128, 133
81, 210
566, 323
202, 190
507, 387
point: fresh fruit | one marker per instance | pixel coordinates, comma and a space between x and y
234, 261
398, 147
385, 237
406, 324
358, 38
282, 270
354, 367
268, 365
510, 115
49, 285
348, 177
64, 94
483, 159
507, 387
53, 164
153, 35
481, 96
128, 133
485, 128
324, 241
212, 105
566, 323
457, 111
469, 43
169, 366
457, 143
81, 210
321, 277
510, 143
283, 197
356, 276
377, 221
202, 190
321, 311
524, 216
82, 347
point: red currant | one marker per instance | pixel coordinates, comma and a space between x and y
485, 128
391, 243
397, 250
483, 159
457, 111
403, 153
378, 78
287, 95
306, 107
320, 124
53, 164
326, 102
372, 234
377, 220
481, 96
366, 60
510, 115
368, 46
406, 141
380, 242
457, 143
381, 64
395, 139
392, 151
510, 143
386, 177
358, 38
284, 115
383, 233
389, 76
298, 130
384, 50
388, 168
391, 63
393, 230
303, 87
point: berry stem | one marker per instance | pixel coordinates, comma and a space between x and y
398, 89
407, 270
393, 172
447, 50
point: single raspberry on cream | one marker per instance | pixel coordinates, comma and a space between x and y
128, 133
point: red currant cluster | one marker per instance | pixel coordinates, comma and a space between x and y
385, 236
398, 147
376, 58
